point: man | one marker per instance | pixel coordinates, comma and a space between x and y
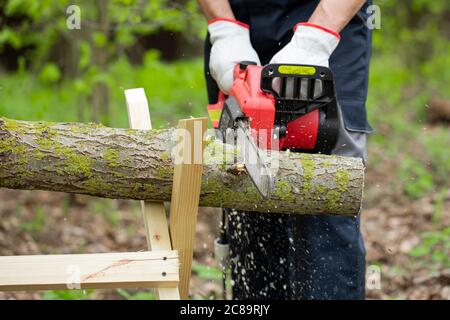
284, 256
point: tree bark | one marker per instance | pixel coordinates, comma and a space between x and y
123, 163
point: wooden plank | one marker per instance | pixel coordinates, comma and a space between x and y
137, 106
83, 271
153, 213
186, 195
157, 228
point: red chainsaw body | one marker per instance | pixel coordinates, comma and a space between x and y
259, 108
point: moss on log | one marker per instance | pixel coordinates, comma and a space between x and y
122, 163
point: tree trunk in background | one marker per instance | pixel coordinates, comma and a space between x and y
71, 69
100, 91
123, 163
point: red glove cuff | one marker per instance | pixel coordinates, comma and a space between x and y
307, 24
229, 20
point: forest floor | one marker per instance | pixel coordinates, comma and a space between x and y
397, 231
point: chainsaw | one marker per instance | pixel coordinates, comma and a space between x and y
274, 107
277, 107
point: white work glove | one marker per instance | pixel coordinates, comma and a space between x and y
311, 44
231, 44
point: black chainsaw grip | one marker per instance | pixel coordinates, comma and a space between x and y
310, 88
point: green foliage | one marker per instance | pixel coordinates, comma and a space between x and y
67, 295
136, 296
417, 180
434, 249
415, 32
439, 206
174, 91
36, 223
210, 273
436, 145
207, 272
39, 32
100, 39
39, 26
105, 207
399, 119
411, 65
50, 73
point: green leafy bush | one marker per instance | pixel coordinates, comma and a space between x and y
36, 223
207, 272
50, 73
417, 180
174, 91
434, 249
67, 295
143, 295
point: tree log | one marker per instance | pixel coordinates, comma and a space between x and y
122, 163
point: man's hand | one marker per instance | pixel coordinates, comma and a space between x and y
315, 41
311, 44
230, 41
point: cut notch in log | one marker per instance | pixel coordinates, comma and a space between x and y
123, 163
